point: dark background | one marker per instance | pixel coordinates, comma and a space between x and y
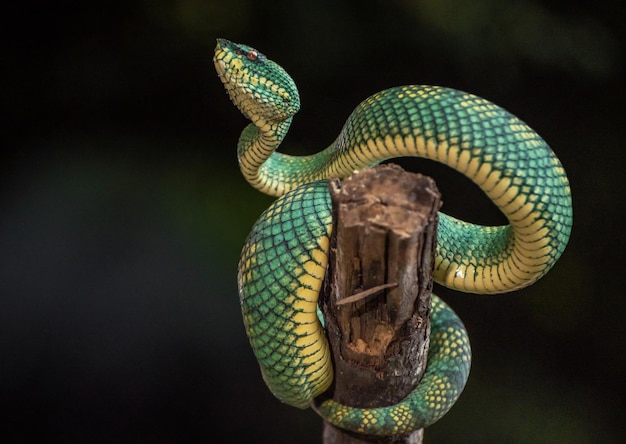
123, 211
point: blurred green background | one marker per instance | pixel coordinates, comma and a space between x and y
123, 211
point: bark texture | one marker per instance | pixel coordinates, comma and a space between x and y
376, 296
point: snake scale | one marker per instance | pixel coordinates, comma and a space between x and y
284, 259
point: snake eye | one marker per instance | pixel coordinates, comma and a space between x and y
252, 55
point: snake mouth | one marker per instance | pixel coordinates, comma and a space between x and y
218, 56
220, 67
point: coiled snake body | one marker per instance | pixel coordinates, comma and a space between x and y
285, 256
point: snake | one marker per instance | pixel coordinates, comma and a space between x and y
285, 256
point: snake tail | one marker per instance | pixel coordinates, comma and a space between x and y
447, 370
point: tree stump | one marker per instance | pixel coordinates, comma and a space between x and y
376, 295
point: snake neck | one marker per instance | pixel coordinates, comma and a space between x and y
257, 144
275, 173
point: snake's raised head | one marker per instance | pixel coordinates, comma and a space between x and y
260, 88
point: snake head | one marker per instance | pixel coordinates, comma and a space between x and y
260, 88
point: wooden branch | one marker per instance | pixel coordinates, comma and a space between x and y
376, 296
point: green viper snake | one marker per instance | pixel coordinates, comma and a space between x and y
284, 259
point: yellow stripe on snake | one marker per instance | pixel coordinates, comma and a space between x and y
284, 259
